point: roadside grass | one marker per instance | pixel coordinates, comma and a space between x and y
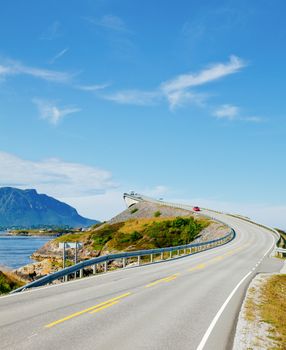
250, 306
273, 308
9, 281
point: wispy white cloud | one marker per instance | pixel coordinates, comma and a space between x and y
232, 113
211, 73
179, 85
180, 97
134, 97
54, 176
227, 111
59, 55
10, 67
181, 89
52, 32
93, 88
49, 111
110, 22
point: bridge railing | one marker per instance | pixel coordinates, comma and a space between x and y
187, 249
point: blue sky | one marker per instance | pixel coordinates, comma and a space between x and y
180, 99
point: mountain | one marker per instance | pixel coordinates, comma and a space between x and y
27, 208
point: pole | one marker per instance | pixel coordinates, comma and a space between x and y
75, 259
75, 254
64, 255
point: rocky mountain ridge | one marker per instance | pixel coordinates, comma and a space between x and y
28, 208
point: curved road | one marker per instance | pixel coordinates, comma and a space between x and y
186, 303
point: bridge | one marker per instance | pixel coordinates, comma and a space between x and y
190, 302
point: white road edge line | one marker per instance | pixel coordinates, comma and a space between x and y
220, 311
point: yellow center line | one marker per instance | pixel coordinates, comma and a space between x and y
217, 258
198, 267
85, 310
104, 307
165, 279
170, 279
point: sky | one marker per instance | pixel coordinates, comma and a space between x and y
182, 99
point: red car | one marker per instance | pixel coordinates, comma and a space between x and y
196, 209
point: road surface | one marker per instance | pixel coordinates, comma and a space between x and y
187, 303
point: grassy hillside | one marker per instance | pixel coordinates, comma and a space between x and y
8, 282
136, 234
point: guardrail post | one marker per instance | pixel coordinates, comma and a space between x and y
162, 256
139, 260
123, 262
94, 269
171, 254
105, 266
66, 278
185, 251
178, 252
151, 258
81, 273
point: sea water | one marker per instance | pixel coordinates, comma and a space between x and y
15, 251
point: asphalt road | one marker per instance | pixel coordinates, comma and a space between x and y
186, 303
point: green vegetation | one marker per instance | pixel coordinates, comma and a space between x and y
132, 211
157, 214
8, 282
282, 240
140, 234
57, 231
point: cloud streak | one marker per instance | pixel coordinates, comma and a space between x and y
93, 88
180, 89
49, 111
233, 113
54, 176
214, 72
59, 55
13, 68
134, 97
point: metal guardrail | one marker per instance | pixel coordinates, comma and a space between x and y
280, 250
64, 273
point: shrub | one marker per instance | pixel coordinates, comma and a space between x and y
129, 237
134, 210
8, 282
101, 237
157, 214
